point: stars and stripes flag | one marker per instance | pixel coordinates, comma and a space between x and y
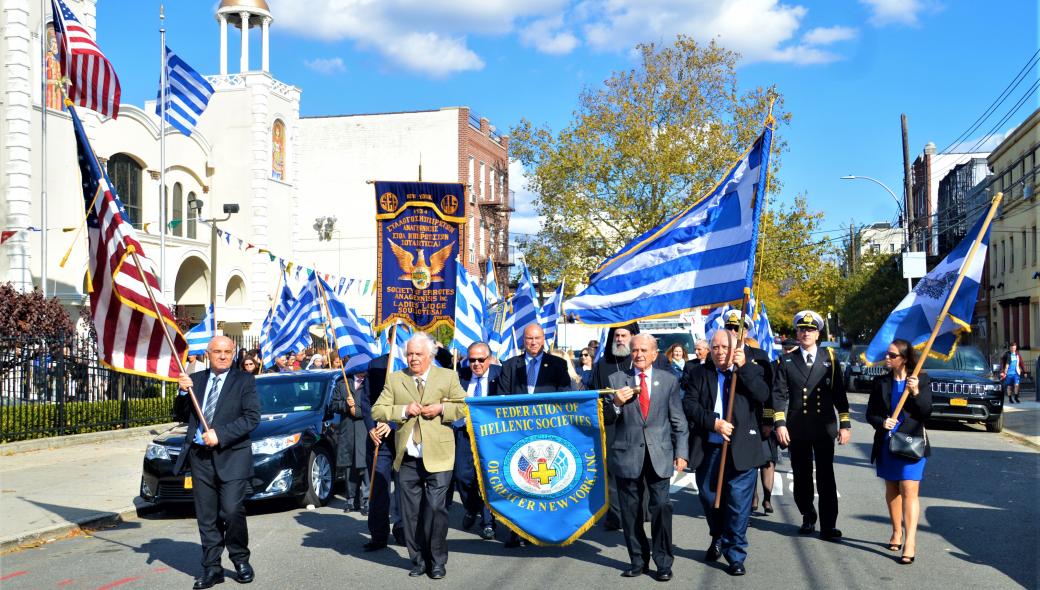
187, 94
130, 334
93, 83
704, 255
199, 336
469, 311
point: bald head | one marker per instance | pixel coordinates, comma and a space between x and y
221, 351
534, 339
722, 344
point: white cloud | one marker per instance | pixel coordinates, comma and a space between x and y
545, 36
433, 54
525, 219
899, 12
829, 35
326, 66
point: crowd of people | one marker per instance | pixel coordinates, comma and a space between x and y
723, 412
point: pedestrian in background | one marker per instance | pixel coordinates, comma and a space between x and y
676, 356
1011, 372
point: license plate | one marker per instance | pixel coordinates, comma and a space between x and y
957, 401
187, 482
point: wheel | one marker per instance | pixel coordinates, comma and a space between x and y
996, 425
319, 479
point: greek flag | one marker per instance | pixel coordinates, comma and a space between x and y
702, 256
915, 316
392, 342
292, 333
549, 316
524, 303
602, 344
353, 333
492, 304
763, 332
469, 311
199, 336
715, 321
504, 344
187, 94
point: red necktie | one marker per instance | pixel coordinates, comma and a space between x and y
644, 395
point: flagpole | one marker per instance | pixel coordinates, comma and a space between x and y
949, 299
732, 393
274, 303
342, 368
162, 153
43, 147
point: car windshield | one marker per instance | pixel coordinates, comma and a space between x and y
282, 395
669, 338
965, 358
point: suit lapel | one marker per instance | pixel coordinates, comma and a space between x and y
819, 369
409, 386
799, 361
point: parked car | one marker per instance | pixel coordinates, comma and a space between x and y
858, 376
965, 390
294, 446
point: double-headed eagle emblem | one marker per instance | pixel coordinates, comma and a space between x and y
419, 273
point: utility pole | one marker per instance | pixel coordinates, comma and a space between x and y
908, 187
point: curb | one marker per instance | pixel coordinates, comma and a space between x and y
58, 442
1023, 439
58, 531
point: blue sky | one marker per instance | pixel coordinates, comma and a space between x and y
847, 68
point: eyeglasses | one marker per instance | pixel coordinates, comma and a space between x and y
892, 355
478, 360
584, 354
808, 329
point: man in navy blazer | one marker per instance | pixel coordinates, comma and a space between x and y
479, 378
534, 371
220, 459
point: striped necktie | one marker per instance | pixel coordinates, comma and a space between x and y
416, 434
211, 400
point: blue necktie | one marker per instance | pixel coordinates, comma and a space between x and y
211, 401
532, 375
478, 391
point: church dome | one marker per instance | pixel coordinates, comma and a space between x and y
257, 9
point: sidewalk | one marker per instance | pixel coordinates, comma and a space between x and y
45, 494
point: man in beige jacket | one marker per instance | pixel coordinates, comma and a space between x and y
424, 401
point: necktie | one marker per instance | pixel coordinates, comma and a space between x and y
416, 435
211, 401
724, 394
644, 395
808, 360
532, 377
478, 391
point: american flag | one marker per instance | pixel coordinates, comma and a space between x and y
526, 467
130, 334
92, 79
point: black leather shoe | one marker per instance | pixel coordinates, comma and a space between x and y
374, 546
736, 569
714, 551
515, 541
611, 526
808, 525
830, 534
398, 533
487, 533
468, 520
364, 509
438, 572
244, 572
417, 570
635, 572
208, 580
664, 575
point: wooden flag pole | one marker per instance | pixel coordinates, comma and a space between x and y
949, 299
342, 369
732, 394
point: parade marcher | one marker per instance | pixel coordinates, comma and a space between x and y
586, 367
479, 378
700, 351
424, 401
195, 363
807, 389
220, 459
1011, 372
573, 374
383, 512
706, 403
902, 475
534, 371
351, 444
650, 444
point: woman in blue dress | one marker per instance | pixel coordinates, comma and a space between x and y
902, 476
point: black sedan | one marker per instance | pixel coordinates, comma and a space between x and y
294, 447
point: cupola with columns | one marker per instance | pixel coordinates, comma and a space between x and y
245, 14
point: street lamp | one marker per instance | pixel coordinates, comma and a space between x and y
904, 222
229, 210
326, 226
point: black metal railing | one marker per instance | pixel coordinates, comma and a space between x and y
56, 386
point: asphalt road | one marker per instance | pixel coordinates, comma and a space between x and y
978, 530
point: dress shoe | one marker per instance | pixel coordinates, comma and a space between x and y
438, 572
417, 570
611, 526
468, 520
244, 572
830, 534
515, 541
808, 525
374, 546
635, 572
208, 580
714, 551
487, 533
664, 575
767, 507
364, 509
736, 569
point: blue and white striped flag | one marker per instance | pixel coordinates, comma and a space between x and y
493, 308
915, 316
274, 321
702, 256
549, 316
504, 343
763, 332
292, 334
469, 311
187, 94
715, 320
393, 342
602, 348
524, 305
352, 332
200, 335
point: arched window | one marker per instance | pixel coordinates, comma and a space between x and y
190, 221
278, 150
125, 174
177, 222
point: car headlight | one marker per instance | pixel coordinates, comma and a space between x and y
993, 387
155, 451
275, 444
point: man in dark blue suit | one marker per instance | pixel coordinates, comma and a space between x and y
382, 474
479, 379
220, 458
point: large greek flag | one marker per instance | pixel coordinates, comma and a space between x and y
392, 342
915, 316
292, 333
187, 94
549, 316
199, 336
353, 333
469, 311
504, 343
524, 304
704, 255
762, 331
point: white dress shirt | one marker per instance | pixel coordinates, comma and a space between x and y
415, 450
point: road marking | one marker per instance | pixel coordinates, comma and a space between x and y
790, 486
13, 575
119, 583
683, 479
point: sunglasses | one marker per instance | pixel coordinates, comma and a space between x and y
892, 355
478, 360
584, 354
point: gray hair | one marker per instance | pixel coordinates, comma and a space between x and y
648, 337
424, 339
702, 342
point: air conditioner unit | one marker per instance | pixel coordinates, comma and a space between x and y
1027, 191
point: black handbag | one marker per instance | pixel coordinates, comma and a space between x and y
908, 446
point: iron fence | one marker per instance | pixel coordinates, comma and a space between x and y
56, 386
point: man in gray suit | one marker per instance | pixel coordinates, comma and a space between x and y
650, 440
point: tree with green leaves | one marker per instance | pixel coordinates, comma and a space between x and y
640, 148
